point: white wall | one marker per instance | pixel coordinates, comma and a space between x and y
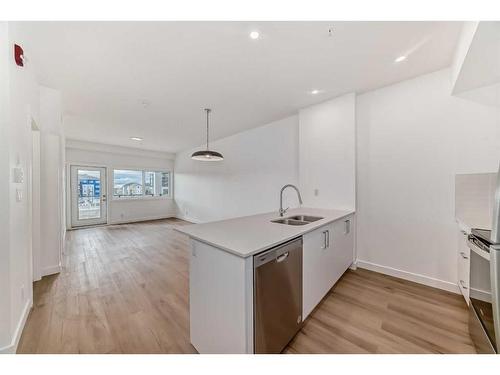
51, 199
21, 103
464, 42
5, 313
257, 164
113, 157
327, 153
412, 138
51, 181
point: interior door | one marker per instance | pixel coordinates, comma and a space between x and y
88, 196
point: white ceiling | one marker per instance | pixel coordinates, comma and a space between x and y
106, 70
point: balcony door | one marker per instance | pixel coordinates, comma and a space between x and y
88, 196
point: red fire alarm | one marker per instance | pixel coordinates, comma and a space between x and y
18, 55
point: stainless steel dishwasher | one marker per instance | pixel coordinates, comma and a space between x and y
277, 296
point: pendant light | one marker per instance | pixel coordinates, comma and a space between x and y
207, 155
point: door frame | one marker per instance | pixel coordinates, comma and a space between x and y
34, 197
73, 205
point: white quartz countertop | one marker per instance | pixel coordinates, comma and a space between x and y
464, 225
249, 235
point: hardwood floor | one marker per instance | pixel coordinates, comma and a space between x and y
124, 289
367, 312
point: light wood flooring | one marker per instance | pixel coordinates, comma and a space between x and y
124, 289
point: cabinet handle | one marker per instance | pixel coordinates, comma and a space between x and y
324, 239
347, 226
327, 238
463, 284
463, 255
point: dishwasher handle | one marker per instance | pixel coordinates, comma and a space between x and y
282, 257
278, 254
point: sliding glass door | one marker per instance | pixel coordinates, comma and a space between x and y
88, 196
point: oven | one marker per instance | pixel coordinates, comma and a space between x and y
484, 292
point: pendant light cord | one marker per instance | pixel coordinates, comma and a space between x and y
208, 111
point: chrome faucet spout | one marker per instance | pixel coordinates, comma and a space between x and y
282, 211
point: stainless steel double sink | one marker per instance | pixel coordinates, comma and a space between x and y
297, 220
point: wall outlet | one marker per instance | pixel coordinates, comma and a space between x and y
122, 215
316, 192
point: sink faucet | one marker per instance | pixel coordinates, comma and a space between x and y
282, 211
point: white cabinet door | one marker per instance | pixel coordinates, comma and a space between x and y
342, 244
463, 263
315, 271
327, 254
220, 312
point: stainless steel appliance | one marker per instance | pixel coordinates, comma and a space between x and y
484, 309
277, 296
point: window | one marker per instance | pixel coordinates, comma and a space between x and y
165, 183
138, 183
127, 183
149, 183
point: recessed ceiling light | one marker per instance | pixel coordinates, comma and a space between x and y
136, 138
254, 35
315, 92
400, 58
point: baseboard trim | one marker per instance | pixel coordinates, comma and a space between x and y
139, 220
410, 276
119, 222
51, 270
187, 218
12, 348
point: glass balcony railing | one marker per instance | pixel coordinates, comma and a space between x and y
89, 207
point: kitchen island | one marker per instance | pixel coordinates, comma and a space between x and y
221, 272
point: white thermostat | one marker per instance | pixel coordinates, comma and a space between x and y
18, 175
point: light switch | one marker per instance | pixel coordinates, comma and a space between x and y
19, 195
